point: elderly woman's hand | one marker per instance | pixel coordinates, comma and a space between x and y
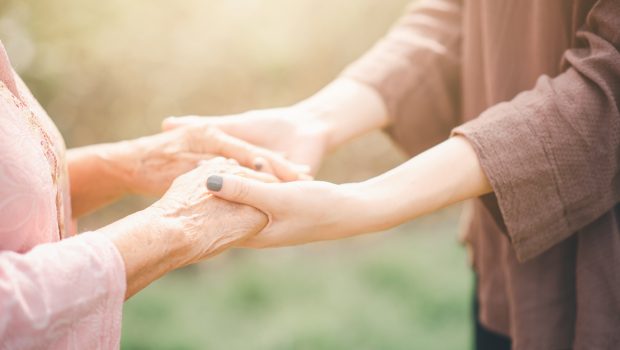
102, 173
185, 226
151, 163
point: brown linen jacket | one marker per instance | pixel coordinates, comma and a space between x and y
537, 83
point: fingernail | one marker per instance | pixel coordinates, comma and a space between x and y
305, 177
215, 183
258, 164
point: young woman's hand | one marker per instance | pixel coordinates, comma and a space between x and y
290, 131
299, 212
306, 131
306, 211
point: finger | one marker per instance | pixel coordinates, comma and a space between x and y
253, 157
176, 122
241, 190
261, 164
255, 175
287, 170
221, 165
259, 158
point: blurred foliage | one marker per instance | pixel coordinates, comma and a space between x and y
405, 291
111, 70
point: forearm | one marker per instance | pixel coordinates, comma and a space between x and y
345, 109
96, 176
445, 174
149, 247
310, 211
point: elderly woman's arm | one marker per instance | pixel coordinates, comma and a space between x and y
74, 289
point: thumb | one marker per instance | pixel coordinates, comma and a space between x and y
240, 190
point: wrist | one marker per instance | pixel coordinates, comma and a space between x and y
150, 248
319, 113
115, 164
123, 161
361, 208
369, 206
151, 236
346, 109
166, 230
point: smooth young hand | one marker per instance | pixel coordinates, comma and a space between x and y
291, 131
307, 211
304, 132
299, 212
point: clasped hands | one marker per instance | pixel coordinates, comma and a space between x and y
298, 211
238, 155
257, 193
292, 143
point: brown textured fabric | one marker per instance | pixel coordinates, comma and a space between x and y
538, 85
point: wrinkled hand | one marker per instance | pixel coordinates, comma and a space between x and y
207, 224
149, 164
290, 131
299, 212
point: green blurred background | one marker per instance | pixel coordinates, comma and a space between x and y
111, 70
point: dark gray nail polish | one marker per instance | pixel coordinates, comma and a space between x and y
214, 183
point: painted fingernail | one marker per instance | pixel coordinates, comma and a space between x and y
215, 183
259, 164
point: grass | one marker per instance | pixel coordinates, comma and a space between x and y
404, 289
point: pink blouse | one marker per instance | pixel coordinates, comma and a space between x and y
55, 293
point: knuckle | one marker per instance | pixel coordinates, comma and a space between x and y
241, 191
210, 131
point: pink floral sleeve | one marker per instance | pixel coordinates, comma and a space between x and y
62, 295
56, 291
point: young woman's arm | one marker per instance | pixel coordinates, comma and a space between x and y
306, 211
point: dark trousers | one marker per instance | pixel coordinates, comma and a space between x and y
485, 339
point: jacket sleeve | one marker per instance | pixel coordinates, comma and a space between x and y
416, 70
552, 154
63, 294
